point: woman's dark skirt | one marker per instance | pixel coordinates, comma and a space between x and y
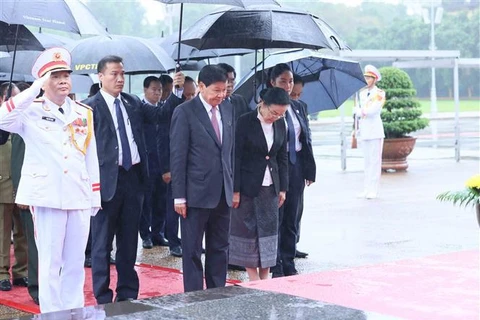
254, 230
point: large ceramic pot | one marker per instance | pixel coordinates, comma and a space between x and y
395, 153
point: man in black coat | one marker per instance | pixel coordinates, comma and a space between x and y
123, 160
240, 105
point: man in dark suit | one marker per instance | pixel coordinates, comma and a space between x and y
201, 147
152, 221
123, 159
296, 94
240, 105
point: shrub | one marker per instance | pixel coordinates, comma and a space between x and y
401, 113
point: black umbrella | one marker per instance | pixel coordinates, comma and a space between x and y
139, 55
262, 27
238, 3
170, 45
24, 39
65, 15
329, 81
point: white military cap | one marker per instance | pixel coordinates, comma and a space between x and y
371, 71
53, 59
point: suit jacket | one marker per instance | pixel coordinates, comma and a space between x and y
309, 166
252, 156
163, 137
240, 105
107, 143
201, 166
368, 111
60, 168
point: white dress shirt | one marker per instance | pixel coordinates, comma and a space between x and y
110, 100
269, 136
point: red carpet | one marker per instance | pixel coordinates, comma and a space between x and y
154, 281
437, 287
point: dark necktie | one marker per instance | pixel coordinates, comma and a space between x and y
127, 155
61, 110
292, 153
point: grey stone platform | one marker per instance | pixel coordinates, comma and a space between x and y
222, 303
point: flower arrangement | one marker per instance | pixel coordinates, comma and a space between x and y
469, 196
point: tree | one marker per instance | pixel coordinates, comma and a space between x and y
401, 113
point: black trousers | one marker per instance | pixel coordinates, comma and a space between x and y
215, 224
288, 219
153, 218
119, 217
32, 253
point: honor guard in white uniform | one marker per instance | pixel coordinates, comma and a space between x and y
60, 176
369, 130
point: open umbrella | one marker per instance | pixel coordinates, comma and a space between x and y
238, 3
65, 15
329, 81
170, 45
24, 39
262, 27
139, 55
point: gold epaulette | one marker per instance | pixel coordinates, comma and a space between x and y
84, 105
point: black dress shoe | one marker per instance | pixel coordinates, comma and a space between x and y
277, 275
160, 241
236, 268
300, 254
176, 252
117, 299
147, 243
88, 262
5, 285
21, 282
293, 272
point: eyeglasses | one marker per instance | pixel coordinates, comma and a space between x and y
275, 114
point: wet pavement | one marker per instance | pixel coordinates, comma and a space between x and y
338, 231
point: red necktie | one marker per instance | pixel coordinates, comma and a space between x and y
215, 123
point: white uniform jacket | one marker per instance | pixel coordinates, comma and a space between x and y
367, 111
60, 168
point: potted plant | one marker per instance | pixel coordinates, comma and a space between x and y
401, 115
470, 196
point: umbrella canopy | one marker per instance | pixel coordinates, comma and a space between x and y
24, 38
170, 45
139, 55
240, 3
261, 27
329, 81
65, 15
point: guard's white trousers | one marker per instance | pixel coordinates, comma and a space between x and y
61, 237
372, 153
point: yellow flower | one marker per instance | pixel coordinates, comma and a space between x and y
473, 182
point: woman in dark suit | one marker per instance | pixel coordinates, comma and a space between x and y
260, 184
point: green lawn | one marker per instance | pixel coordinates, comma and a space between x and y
442, 105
